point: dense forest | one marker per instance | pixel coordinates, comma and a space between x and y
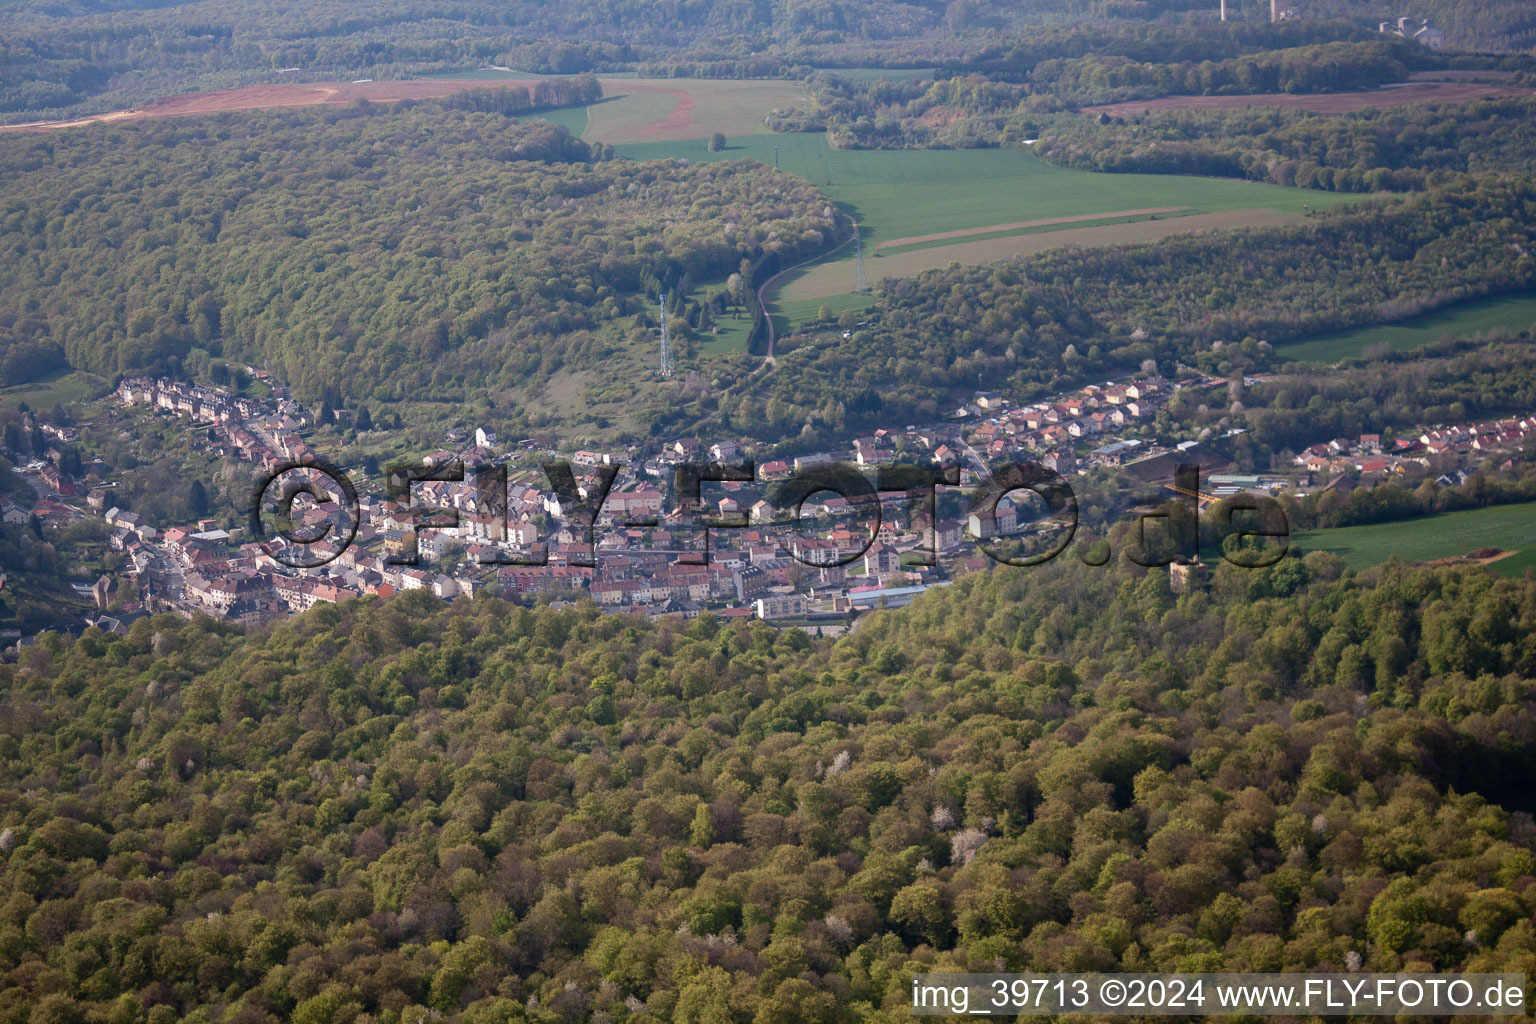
1012, 58
1391, 148
1329, 67
403, 810
59, 58
977, 109
385, 811
371, 252
1498, 26
68, 58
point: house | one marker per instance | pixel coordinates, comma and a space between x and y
126, 520
780, 606
989, 400
61, 483
749, 581
948, 533
872, 455
810, 551
642, 503
1184, 576
880, 559
485, 437
1341, 485
1428, 35
804, 462
1000, 522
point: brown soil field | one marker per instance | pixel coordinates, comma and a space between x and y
1473, 558
633, 110
1462, 75
254, 97
679, 120
672, 109
1420, 91
1017, 225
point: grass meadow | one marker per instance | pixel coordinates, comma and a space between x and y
998, 197
61, 388
1510, 312
1510, 527
1518, 564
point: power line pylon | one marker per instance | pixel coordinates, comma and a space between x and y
666, 345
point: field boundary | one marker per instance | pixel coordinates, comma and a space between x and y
1017, 225
762, 290
1512, 311
271, 96
830, 278
1391, 95
1423, 539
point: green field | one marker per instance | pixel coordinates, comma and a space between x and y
897, 195
637, 109
62, 388
572, 119
1511, 312
890, 249
1510, 527
809, 309
1516, 565
730, 333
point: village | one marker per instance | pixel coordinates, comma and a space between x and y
645, 551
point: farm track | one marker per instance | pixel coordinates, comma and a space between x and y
762, 290
829, 279
261, 97
1021, 224
1395, 95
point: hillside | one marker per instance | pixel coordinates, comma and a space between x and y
388, 253
508, 814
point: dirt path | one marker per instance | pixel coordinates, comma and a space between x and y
1397, 94
1017, 225
763, 288
1469, 560
832, 278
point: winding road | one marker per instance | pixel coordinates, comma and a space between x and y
763, 288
